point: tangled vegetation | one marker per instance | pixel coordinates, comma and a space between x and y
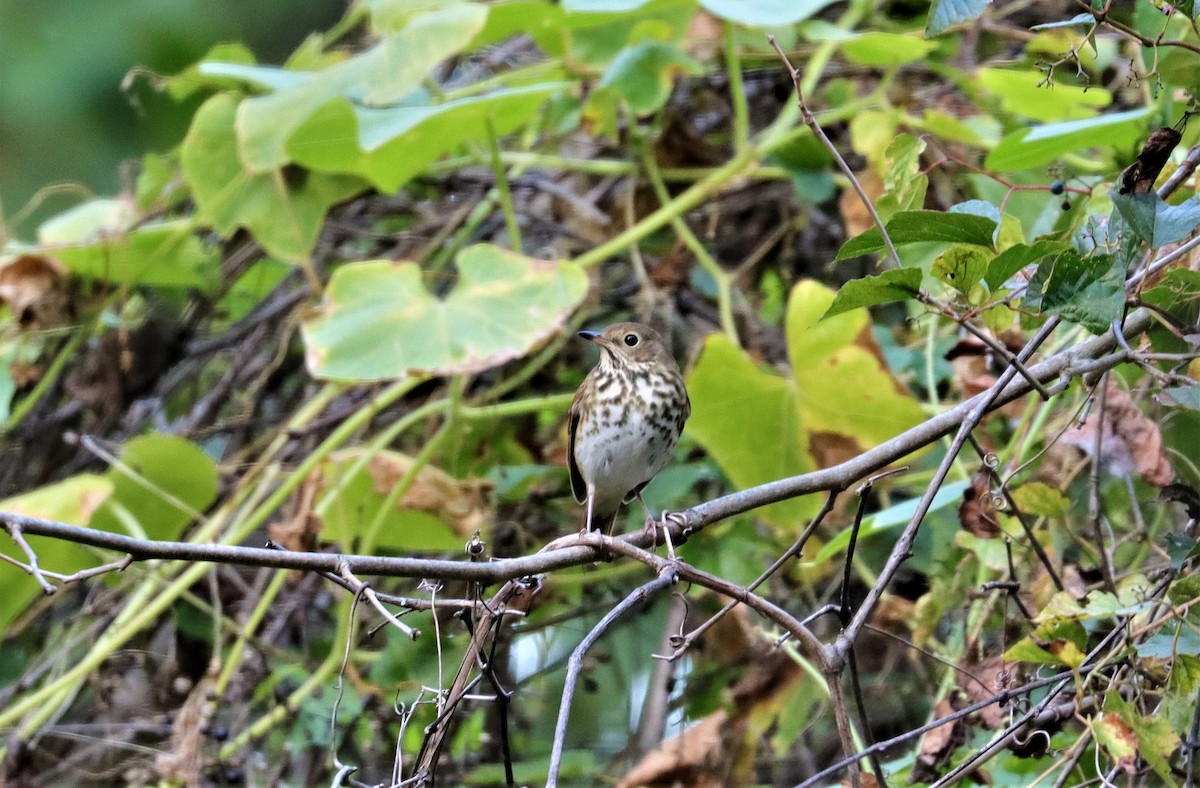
284, 425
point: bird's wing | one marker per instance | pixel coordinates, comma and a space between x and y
578, 486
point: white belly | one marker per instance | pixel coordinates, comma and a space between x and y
619, 449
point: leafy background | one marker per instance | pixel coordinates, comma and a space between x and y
332, 304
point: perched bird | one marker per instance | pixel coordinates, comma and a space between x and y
624, 421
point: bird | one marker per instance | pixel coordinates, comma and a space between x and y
624, 421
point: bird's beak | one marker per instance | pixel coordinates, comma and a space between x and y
597, 338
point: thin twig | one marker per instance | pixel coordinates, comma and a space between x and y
810, 120
575, 662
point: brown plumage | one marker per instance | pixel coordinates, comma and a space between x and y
625, 419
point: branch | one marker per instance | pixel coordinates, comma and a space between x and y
1094, 355
665, 578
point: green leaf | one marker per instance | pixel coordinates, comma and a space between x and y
886, 49
599, 31
1041, 500
764, 13
1019, 94
1040, 145
903, 181
193, 79
390, 146
748, 421
602, 6
379, 322
898, 284
944, 14
1014, 258
1128, 735
88, 221
962, 266
160, 484
1185, 396
382, 75
1053, 642
284, 213
542, 21
909, 227
73, 501
351, 503
160, 254
837, 354
893, 516
644, 74
1156, 222
1085, 290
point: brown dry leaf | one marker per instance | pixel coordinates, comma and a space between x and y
938, 743
673, 268
182, 763
1139, 177
854, 211
700, 756
704, 36
460, 504
975, 513
301, 529
1129, 441
32, 286
866, 779
981, 680
830, 448
24, 373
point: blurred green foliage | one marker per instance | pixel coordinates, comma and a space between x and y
65, 117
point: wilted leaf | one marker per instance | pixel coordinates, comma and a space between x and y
1056, 641
437, 512
1128, 735
1129, 439
379, 322
976, 513
1118, 740
30, 285
1138, 178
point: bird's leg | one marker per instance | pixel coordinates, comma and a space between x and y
652, 526
591, 502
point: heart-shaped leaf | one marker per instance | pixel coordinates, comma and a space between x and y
379, 321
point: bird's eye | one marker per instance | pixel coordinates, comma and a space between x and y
631, 339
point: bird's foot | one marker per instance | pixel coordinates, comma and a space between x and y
653, 526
